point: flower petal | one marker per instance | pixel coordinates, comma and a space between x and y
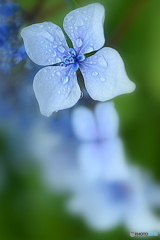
107, 120
105, 76
84, 26
83, 124
45, 43
56, 88
103, 160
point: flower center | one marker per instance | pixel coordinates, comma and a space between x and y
72, 58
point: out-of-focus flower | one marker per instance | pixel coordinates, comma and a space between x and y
106, 204
101, 152
56, 86
107, 191
104, 190
11, 49
8, 9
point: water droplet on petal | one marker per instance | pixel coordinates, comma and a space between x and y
102, 62
94, 74
55, 46
58, 73
65, 80
102, 79
89, 49
53, 53
61, 49
58, 60
81, 96
68, 18
85, 18
72, 34
79, 42
80, 22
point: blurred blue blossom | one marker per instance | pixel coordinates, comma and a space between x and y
107, 191
56, 86
11, 48
8, 9
104, 189
101, 152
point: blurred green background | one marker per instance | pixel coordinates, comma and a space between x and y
29, 211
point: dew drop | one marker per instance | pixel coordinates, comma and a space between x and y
72, 34
58, 60
68, 18
55, 46
80, 22
102, 62
79, 42
58, 73
94, 74
89, 49
61, 49
65, 80
85, 18
81, 96
102, 79
53, 53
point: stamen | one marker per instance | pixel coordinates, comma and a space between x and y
72, 58
72, 52
81, 58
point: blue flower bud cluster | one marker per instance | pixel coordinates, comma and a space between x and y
11, 48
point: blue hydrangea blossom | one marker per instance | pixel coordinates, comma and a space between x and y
11, 49
56, 86
101, 154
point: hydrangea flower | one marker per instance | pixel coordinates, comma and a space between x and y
101, 154
56, 86
106, 191
11, 49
